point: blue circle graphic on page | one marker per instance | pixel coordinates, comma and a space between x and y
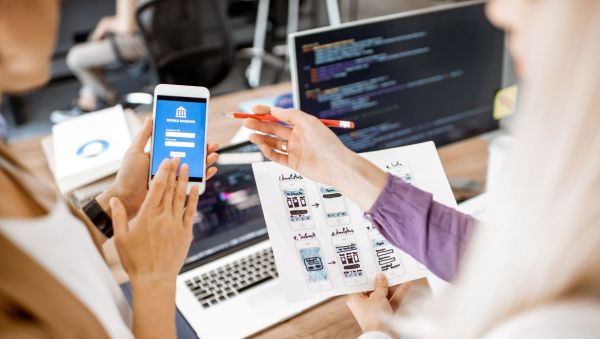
92, 148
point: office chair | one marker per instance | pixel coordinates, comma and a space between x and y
189, 41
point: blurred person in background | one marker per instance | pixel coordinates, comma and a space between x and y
114, 39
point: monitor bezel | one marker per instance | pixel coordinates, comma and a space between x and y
292, 37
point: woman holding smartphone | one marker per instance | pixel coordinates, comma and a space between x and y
534, 272
54, 280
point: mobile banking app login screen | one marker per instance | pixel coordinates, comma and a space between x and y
179, 132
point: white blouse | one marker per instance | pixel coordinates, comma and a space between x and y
61, 244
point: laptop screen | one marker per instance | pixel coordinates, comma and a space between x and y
229, 212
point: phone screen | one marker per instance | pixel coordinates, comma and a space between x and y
179, 131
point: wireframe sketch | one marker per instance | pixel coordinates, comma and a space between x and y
402, 171
350, 261
334, 206
387, 257
315, 269
296, 204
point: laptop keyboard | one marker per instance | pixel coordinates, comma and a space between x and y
228, 281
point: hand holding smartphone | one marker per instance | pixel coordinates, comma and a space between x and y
180, 116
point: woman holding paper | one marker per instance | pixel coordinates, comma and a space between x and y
532, 273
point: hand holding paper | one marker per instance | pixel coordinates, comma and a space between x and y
322, 243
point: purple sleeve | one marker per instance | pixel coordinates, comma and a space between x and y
430, 232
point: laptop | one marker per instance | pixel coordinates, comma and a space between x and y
229, 286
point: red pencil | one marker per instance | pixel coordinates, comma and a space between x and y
269, 117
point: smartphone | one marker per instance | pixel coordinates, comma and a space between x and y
387, 256
315, 268
350, 261
334, 206
296, 204
180, 117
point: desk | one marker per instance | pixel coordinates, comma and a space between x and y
331, 319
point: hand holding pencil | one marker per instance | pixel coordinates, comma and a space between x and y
304, 143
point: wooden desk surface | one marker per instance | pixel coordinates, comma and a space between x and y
331, 319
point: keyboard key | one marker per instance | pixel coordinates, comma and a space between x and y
206, 296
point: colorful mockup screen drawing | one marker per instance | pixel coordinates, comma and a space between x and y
179, 131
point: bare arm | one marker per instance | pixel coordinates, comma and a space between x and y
126, 14
123, 22
153, 309
316, 152
153, 246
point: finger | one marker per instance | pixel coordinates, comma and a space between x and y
273, 143
167, 200
399, 293
381, 286
210, 172
179, 198
99, 32
190, 209
119, 218
212, 148
268, 127
354, 299
211, 159
141, 138
95, 35
289, 116
270, 154
158, 184
261, 109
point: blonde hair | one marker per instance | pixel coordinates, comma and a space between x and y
544, 244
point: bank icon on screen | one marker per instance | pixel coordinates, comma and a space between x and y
181, 112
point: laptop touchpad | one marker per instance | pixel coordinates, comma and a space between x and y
268, 298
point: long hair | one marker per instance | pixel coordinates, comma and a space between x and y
543, 246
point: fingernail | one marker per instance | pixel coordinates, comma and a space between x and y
184, 166
176, 160
113, 203
380, 277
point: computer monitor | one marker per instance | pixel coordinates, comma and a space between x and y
423, 75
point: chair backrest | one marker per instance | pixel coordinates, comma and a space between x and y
189, 41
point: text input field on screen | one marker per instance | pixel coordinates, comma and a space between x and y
169, 143
172, 134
